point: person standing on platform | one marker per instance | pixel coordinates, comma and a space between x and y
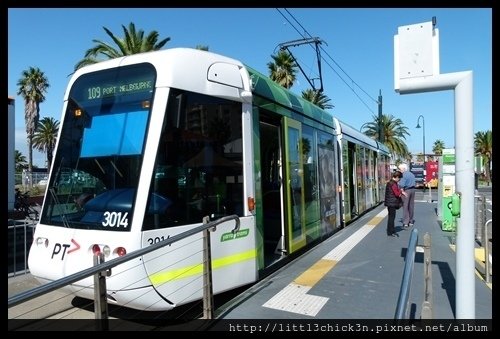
407, 184
393, 197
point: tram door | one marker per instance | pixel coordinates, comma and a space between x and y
360, 168
271, 177
353, 180
294, 186
282, 183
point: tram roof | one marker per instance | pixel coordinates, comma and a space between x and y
351, 133
265, 87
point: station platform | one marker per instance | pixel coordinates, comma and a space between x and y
357, 274
354, 274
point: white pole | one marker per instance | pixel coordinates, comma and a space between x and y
462, 83
464, 174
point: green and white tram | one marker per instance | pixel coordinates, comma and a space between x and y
151, 143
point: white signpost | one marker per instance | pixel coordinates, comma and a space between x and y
416, 70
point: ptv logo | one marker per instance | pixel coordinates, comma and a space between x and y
62, 249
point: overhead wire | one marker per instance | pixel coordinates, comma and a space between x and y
332, 59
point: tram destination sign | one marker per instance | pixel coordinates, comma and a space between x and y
100, 91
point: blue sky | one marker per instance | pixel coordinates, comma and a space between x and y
358, 55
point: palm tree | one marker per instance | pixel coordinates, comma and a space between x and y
19, 161
45, 137
438, 146
483, 146
133, 42
283, 70
318, 98
32, 87
409, 157
395, 133
202, 47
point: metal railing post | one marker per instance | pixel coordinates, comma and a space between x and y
208, 296
100, 300
427, 305
25, 248
15, 247
486, 246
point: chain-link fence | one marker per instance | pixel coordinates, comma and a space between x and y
481, 218
484, 233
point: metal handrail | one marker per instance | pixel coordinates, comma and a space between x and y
54, 285
404, 292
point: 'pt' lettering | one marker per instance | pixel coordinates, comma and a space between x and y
58, 248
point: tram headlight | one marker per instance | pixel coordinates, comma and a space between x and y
42, 241
120, 251
106, 250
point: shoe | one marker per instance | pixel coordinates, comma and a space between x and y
405, 226
395, 235
410, 225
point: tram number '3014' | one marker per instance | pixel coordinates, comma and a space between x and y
158, 239
115, 219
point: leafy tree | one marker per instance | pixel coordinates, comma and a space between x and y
283, 69
133, 42
318, 98
32, 86
45, 137
395, 133
19, 161
202, 47
408, 157
483, 146
438, 147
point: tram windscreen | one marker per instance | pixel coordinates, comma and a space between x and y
99, 156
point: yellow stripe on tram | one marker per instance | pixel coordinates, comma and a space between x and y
191, 270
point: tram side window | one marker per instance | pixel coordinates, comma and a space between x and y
198, 166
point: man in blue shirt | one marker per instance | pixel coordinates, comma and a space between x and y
407, 185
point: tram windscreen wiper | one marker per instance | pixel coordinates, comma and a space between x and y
59, 208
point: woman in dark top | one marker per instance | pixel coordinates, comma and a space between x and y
392, 201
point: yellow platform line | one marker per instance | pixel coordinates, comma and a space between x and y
315, 272
479, 257
295, 297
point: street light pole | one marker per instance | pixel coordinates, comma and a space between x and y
423, 138
380, 127
423, 130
